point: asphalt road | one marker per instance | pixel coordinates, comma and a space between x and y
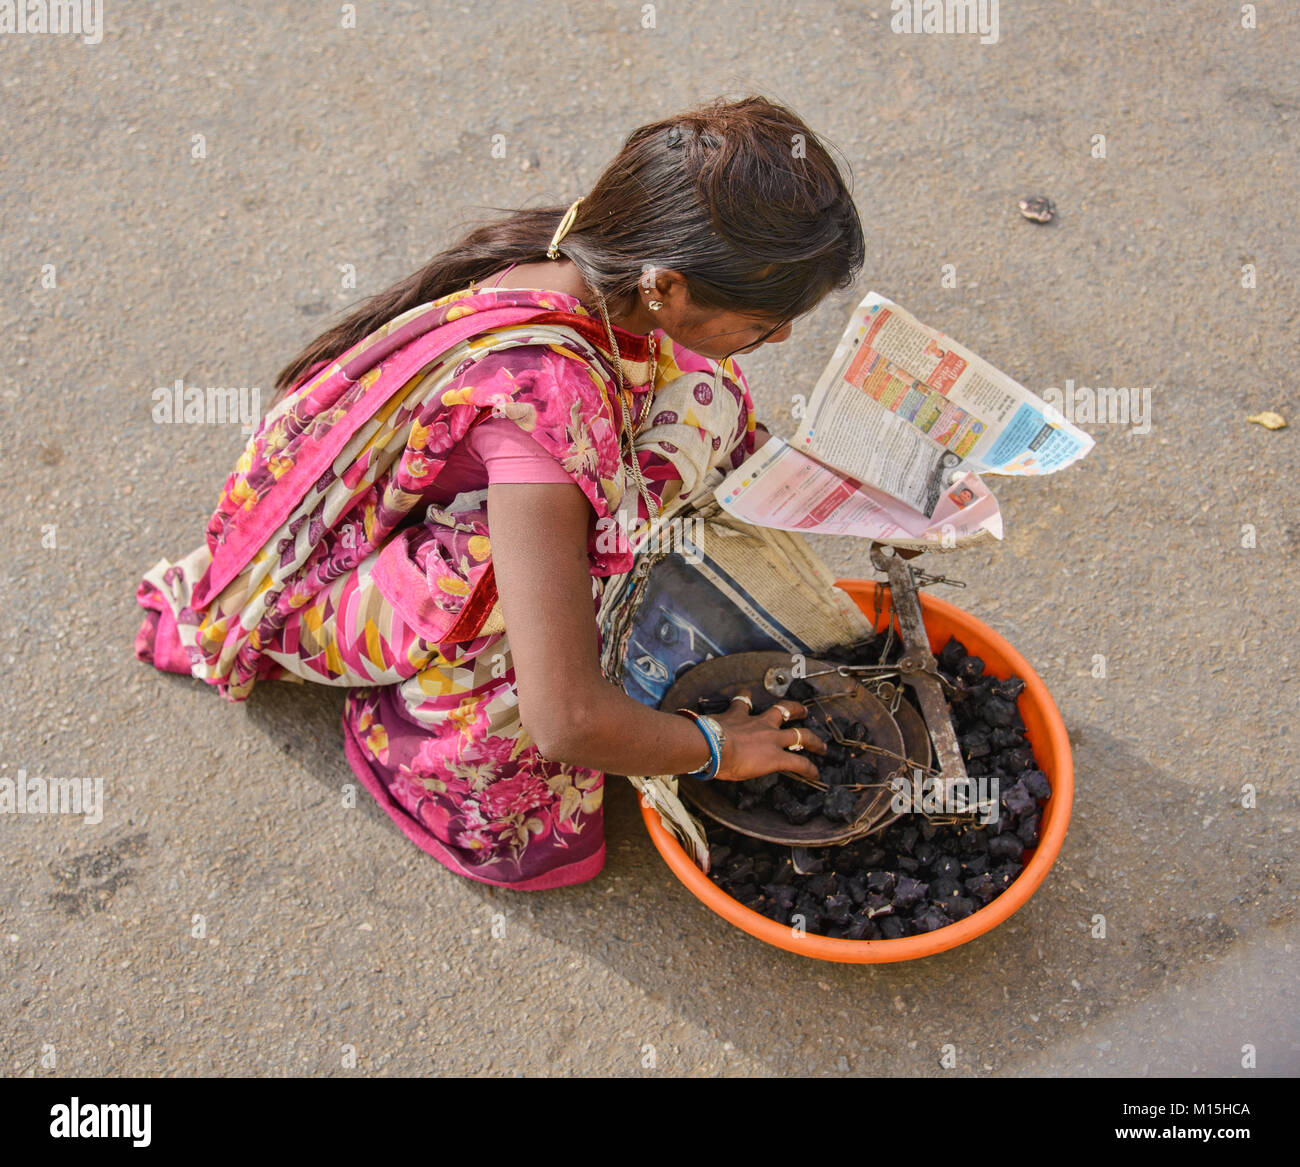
1171, 552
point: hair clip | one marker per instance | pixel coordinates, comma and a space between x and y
674, 138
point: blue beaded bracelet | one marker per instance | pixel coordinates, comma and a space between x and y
714, 735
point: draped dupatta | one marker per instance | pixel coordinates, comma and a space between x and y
337, 467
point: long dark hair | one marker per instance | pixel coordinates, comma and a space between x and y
740, 197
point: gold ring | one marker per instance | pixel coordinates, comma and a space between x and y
798, 740
749, 704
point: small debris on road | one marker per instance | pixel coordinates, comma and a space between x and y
1039, 208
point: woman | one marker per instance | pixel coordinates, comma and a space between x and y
550, 380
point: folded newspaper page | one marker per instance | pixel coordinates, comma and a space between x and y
900, 425
779, 487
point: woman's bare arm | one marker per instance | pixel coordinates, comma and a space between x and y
571, 712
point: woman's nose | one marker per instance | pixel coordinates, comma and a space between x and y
781, 334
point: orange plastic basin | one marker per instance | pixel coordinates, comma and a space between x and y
1046, 733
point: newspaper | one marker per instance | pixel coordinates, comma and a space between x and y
900, 426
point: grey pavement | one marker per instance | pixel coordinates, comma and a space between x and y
329, 944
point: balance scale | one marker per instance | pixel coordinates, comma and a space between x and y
903, 738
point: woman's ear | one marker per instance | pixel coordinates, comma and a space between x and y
672, 288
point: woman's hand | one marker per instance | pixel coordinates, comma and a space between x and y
759, 743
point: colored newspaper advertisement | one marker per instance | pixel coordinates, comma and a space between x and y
900, 426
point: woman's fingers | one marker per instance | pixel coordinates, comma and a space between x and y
793, 742
739, 713
784, 710
798, 760
799, 764
804, 738
743, 698
766, 742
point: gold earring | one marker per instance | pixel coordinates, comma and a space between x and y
655, 305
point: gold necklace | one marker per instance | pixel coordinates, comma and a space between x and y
629, 429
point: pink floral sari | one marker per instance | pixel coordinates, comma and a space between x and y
323, 563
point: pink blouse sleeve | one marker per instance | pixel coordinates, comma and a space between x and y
509, 455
